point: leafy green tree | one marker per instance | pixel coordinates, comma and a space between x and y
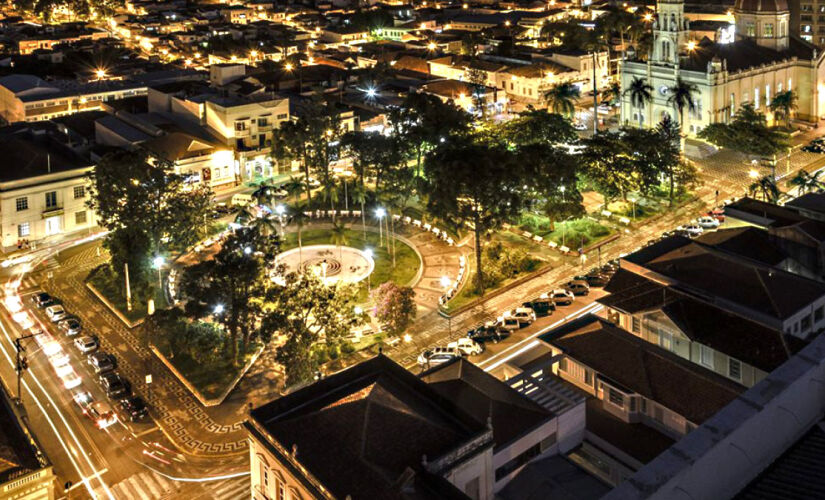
338, 237
229, 287
613, 94
641, 93
147, 208
608, 166
395, 307
474, 183
299, 219
666, 159
747, 133
561, 98
309, 313
539, 127
783, 105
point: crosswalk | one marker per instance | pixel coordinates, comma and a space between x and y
142, 486
149, 485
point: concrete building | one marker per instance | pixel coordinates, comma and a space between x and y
45, 195
25, 472
762, 60
27, 98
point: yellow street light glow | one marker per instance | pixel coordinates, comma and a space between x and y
465, 6
648, 17
431, 46
506, 23
253, 53
100, 73
288, 66
753, 174
691, 45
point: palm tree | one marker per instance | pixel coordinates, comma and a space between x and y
766, 187
359, 195
641, 93
613, 93
338, 237
247, 214
299, 218
264, 194
561, 98
331, 194
806, 182
681, 97
294, 186
783, 104
265, 226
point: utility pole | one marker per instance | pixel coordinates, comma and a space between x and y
595, 98
22, 363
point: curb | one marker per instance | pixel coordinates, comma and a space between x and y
112, 308
206, 402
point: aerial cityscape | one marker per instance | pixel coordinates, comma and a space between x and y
412, 249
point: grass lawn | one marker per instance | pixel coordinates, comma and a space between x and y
578, 233
406, 260
108, 284
212, 379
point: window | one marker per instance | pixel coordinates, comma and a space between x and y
732, 103
80, 217
23, 229
563, 364
734, 369
632, 404
768, 94
805, 324
819, 314
644, 405
548, 442
281, 490
79, 192
659, 414
706, 356
51, 199
768, 30
263, 122
750, 29
755, 98
665, 340
635, 324
513, 465
22, 203
615, 397
588, 377
240, 126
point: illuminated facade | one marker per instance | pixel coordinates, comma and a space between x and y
762, 61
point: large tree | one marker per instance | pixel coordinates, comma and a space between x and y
311, 314
681, 96
641, 93
229, 287
561, 98
395, 307
539, 127
609, 166
476, 183
142, 200
747, 133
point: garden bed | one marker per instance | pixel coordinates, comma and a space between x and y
106, 286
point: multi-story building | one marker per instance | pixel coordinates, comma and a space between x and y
27, 98
45, 195
25, 471
762, 60
375, 430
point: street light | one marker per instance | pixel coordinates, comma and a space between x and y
753, 174
281, 210
247, 250
157, 263
218, 309
380, 213
371, 92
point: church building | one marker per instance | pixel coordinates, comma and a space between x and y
751, 62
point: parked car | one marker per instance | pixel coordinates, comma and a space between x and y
508, 322
708, 222
437, 356
280, 193
524, 315
86, 344
115, 386
488, 332
70, 378
42, 300
594, 279
70, 326
83, 400
101, 362
134, 408
561, 297
313, 183
55, 313
541, 306
579, 126
101, 414
691, 230
577, 287
718, 214
468, 347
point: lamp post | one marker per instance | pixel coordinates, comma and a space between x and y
633, 204
380, 213
157, 263
281, 210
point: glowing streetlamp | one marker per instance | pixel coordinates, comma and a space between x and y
100, 73
380, 213
753, 174
371, 92
288, 66
218, 309
157, 263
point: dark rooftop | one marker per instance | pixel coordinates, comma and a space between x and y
483, 395
637, 440
749, 242
29, 154
688, 389
813, 202
744, 54
358, 431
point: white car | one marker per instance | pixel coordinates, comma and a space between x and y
437, 356
708, 222
56, 313
85, 344
508, 322
70, 380
524, 315
692, 230
579, 126
468, 347
561, 297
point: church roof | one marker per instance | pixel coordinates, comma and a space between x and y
744, 54
761, 5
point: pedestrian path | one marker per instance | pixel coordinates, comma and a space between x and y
230, 489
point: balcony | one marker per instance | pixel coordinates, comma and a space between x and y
52, 211
242, 133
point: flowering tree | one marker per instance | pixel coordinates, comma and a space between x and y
395, 306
